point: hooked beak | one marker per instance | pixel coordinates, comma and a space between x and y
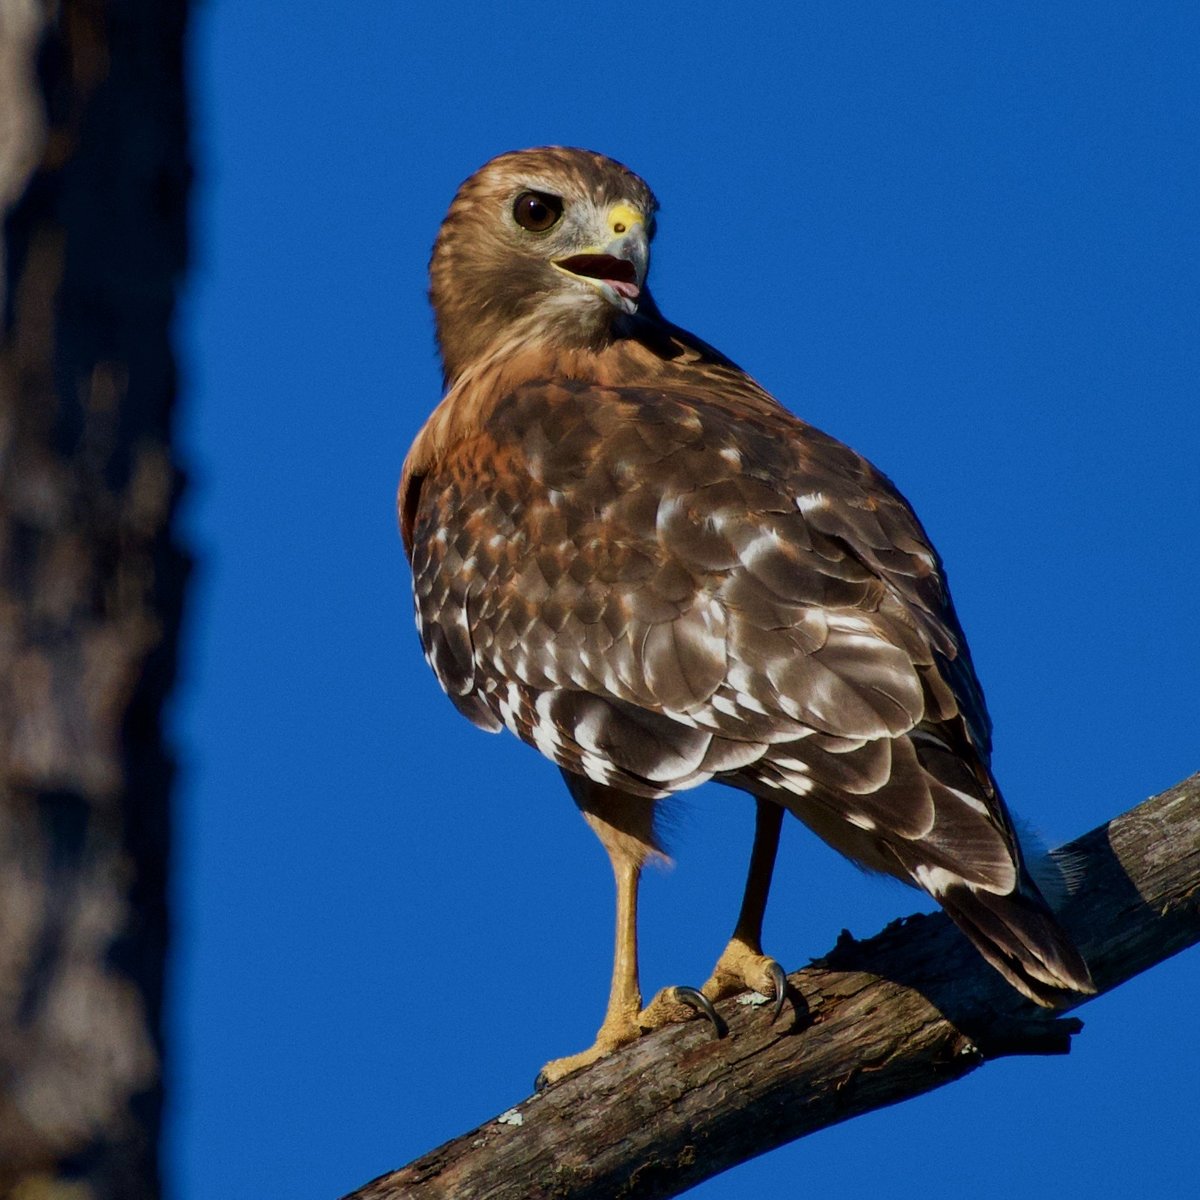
617, 270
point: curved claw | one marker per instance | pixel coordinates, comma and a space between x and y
699, 1002
779, 979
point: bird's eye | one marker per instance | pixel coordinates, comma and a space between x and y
537, 211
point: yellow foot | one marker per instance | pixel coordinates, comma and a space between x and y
741, 967
611, 1036
671, 1005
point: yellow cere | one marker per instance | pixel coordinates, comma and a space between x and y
623, 218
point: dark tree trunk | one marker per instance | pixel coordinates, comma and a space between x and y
93, 185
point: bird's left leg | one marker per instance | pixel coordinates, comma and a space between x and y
742, 963
625, 826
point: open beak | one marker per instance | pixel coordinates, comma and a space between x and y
617, 271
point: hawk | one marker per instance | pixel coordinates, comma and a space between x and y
629, 554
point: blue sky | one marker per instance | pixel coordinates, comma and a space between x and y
961, 238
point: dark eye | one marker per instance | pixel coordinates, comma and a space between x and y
537, 211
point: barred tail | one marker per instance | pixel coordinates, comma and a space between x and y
1019, 935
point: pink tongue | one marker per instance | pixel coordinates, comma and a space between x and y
629, 290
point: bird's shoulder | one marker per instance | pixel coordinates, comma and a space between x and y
669, 451
665, 500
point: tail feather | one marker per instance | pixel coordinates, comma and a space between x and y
1019, 935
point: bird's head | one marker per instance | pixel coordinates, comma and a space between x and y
550, 244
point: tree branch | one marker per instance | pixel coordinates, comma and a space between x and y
874, 1022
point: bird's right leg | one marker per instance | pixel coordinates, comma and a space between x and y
742, 963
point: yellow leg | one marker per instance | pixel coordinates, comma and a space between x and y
742, 964
621, 1024
625, 992
625, 826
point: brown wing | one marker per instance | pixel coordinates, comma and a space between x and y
655, 589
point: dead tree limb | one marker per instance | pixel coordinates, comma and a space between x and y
875, 1022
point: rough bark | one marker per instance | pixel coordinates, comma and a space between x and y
93, 184
871, 1024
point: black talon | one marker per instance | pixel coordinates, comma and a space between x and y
779, 979
699, 1002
